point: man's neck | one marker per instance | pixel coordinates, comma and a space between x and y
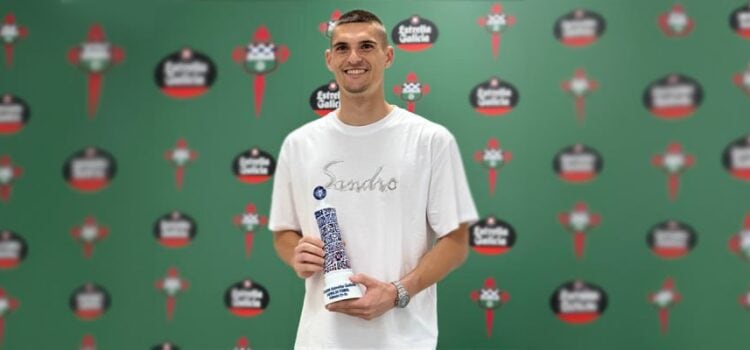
360, 111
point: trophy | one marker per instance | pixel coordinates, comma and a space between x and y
336, 268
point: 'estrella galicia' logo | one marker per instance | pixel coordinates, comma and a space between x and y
89, 301
579, 28
414, 34
736, 158
674, 96
671, 239
739, 21
14, 114
325, 99
577, 163
185, 74
175, 230
494, 97
491, 236
246, 298
578, 302
13, 249
253, 166
90, 169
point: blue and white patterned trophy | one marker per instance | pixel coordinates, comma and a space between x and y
336, 268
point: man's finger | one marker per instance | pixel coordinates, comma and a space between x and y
363, 279
315, 241
307, 258
346, 305
309, 248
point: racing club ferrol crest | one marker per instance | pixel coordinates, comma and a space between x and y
326, 28
580, 86
676, 22
674, 162
95, 56
411, 91
496, 22
490, 298
259, 58
493, 158
664, 299
9, 173
11, 32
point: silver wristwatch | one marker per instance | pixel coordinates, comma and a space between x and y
402, 296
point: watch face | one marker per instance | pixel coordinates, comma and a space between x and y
402, 296
403, 300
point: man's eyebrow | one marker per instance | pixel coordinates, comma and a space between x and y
366, 41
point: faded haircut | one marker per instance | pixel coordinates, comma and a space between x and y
363, 16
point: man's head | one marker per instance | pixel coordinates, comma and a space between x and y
362, 16
359, 53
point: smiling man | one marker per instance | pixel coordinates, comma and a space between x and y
398, 184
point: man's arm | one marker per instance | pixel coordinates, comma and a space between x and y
449, 252
303, 254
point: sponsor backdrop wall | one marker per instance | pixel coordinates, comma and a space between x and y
607, 144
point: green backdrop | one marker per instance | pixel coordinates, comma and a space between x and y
136, 123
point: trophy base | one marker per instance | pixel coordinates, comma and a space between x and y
338, 287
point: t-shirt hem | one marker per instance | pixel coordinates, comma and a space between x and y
275, 228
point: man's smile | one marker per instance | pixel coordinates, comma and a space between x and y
355, 71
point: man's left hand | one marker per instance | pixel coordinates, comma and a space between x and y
379, 297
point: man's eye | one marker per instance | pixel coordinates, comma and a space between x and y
339, 48
367, 46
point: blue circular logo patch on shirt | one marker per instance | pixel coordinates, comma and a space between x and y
319, 193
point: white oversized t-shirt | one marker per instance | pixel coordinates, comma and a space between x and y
397, 185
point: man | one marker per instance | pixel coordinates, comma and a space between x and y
403, 203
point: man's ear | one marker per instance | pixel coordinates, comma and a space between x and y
389, 54
328, 59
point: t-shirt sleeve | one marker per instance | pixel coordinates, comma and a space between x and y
449, 200
283, 214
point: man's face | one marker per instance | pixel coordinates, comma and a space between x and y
358, 57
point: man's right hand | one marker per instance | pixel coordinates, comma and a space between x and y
308, 256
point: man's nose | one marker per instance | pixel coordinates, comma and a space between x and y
354, 57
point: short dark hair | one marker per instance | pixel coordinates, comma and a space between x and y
362, 16
358, 16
